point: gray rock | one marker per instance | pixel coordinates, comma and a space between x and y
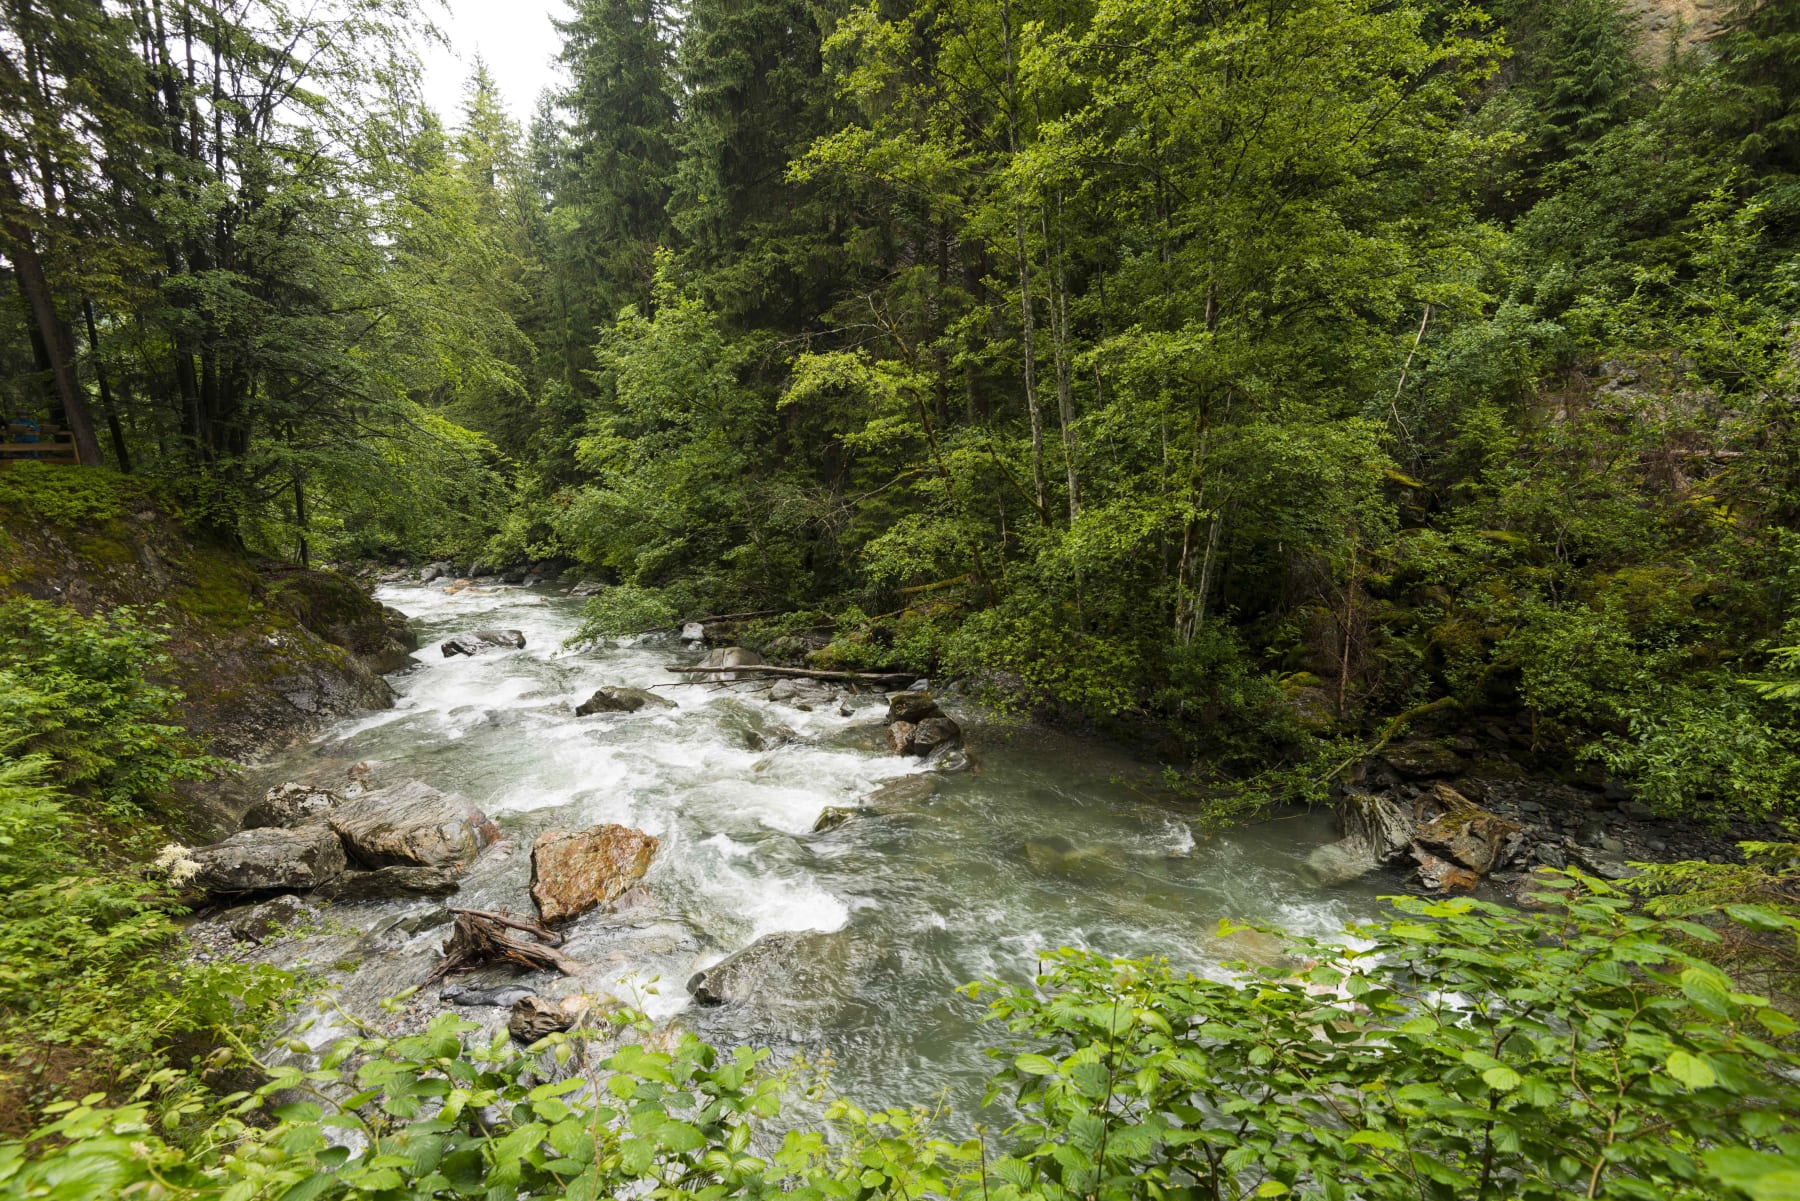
269, 858
805, 695
1376, 832
291, 805
586, 588
514, 575
622, 700
412, 824
727, 656
256, 923
470, 996
389, 883
693, 631
428, 574
1637, 811
935, 734
783, 964
483, 640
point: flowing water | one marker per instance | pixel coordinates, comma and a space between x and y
1050, 841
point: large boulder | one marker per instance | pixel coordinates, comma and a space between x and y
483, 640
727, 656
1376, 830
805, 695
291, 805
924, 738
268, 858
1451, 824
573, 872
389, 883
412, 824
622, 700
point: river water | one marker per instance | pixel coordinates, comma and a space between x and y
1049, 841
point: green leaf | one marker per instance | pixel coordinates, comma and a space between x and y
1691, 1070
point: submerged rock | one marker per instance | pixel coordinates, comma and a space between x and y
483, 640
412, 824
805, 695
832, 817
622, 700
269, 858
781, 964
291, 805
390, 883
572, 873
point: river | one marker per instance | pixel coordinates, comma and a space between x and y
1050, 841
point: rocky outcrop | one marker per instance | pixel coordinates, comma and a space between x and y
1422, 760
622, 700
480, 641
912, 707
389, 883
573, 872
291, 805
262, 652
268, 859
1452, 842
412, 824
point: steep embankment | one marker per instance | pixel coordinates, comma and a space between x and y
262, 651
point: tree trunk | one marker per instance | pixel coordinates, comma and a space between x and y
57, 342
121, 456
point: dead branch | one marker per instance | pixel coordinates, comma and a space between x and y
807, 673
480, 938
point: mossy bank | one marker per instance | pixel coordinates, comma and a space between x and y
262, 651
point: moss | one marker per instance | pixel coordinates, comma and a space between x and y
221, 591
73, 497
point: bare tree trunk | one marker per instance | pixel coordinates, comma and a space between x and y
1028, 326
121, 456
1065, 381
58, 343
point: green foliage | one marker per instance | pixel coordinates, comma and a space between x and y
1459, 1050
74, 690
1467, 1051
90, 997
71, 499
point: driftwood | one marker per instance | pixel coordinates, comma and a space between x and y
807, 673
481, 938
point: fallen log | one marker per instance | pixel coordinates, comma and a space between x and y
809, 673
481, 938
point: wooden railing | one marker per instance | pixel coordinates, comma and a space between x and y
29, 442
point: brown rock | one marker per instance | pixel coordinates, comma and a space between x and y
1471, 837
1440, 875
534, 1018
900, 737
572, 873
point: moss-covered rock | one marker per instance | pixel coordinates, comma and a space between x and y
263, 652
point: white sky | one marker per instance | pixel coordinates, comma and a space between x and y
513, 36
